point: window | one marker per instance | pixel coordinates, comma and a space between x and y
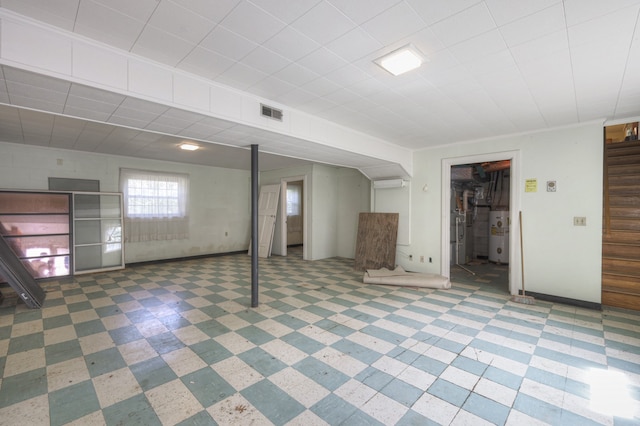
293, 199
155, 205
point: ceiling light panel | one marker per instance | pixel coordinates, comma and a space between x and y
400, 61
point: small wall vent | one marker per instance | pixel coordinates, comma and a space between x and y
271, 112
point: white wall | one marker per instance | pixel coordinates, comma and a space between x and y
333, 199
354, 196
560, 259
219, 199
324, 222
274, 177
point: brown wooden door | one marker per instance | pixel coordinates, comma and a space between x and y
621, 226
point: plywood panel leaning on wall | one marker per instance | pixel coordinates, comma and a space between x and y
376, 241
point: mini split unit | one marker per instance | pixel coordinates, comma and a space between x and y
389, 183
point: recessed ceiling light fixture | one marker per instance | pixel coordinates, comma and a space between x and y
189, 146
401, 60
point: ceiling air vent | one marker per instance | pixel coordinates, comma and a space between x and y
271, 112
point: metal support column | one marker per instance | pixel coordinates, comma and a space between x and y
254, 226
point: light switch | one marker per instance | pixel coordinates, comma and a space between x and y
579, 221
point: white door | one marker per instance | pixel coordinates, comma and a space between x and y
267, 210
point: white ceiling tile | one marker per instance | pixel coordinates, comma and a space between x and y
164, 127
35, 93
367, 86
37, 80
241, 76
394, 24
161, 46
61, 13
285, 11
66, 128
491, 63
265, 60
447, 76
252, 23
92, 135
129, 121
141, 109
107, 25
579, 11
37, 104
547, 21
321, 86
181, 115
299, 97
614, 28
506, 11
314, 23
482, 45
360, 11
354, 45
470, 76
322, 61
535, 50
464, 25
140, 10
433, 11
426, 41
296, 74
271, 88
347, 75
341, 97
291, 44
631, 81
227, 43
180, 22
81, 112
205, 63
213, 11
90, 105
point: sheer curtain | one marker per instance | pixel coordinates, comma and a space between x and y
155, 205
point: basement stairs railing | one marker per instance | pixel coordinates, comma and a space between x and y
621, 226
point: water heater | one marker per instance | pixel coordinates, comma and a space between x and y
499, 236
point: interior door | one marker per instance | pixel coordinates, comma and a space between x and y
267, 210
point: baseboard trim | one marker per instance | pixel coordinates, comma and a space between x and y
181, 259
565, 300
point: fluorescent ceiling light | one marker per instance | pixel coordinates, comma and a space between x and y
189, 146
402, 60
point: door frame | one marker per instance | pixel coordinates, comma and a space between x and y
515, 277
282, 217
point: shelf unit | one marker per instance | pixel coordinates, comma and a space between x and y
97, 232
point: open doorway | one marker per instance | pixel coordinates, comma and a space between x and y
291, 222
479, 197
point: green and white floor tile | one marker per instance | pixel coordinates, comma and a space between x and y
176, 343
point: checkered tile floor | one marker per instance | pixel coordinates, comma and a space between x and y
176, 343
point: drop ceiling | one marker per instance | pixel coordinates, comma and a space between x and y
494, 67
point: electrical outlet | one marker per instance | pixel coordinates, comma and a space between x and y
579, 221
421, 259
